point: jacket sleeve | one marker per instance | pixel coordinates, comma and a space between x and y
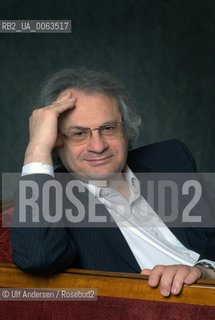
39, 247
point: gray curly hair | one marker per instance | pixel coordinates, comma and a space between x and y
90, 81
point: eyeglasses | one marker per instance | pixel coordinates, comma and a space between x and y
79, 135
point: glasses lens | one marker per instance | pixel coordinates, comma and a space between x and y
112, 130
79, 136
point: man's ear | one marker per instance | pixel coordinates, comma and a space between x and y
56, 151
59, 142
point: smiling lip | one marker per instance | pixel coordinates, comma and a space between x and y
99, 160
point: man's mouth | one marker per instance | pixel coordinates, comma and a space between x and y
99, 160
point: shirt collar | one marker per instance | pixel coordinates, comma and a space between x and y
132, 180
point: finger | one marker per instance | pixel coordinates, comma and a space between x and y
194, 274
155, 275
146, 272
63, 96
64, 105
54, 109
166, 280
178, 281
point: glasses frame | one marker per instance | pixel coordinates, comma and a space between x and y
99, 129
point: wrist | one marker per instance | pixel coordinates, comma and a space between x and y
38, 153
207, 270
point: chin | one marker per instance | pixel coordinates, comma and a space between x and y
99, 175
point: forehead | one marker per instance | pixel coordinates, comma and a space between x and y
91, 110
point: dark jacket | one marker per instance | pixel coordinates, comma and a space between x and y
50, 250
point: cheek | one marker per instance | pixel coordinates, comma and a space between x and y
120, 148
70, 158
72, 154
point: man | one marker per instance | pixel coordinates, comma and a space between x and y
89, 123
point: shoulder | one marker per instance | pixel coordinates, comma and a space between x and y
166, 156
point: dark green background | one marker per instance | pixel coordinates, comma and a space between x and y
163, 51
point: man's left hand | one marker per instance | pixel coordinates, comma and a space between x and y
172, 278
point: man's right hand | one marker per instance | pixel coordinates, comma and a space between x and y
43, 127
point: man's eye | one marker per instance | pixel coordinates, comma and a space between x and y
109, 128
79, 134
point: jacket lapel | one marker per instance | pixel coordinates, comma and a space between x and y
117, 241
113, 235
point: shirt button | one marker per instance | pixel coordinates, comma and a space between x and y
106, 193
187, 253
155, 233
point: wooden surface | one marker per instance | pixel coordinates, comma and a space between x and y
108, 284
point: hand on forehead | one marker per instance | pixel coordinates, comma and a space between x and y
66, 94
91, 110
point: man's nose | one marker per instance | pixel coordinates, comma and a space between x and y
97, 143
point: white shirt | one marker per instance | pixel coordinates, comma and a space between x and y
148, 237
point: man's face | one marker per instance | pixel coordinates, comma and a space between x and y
99, 158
